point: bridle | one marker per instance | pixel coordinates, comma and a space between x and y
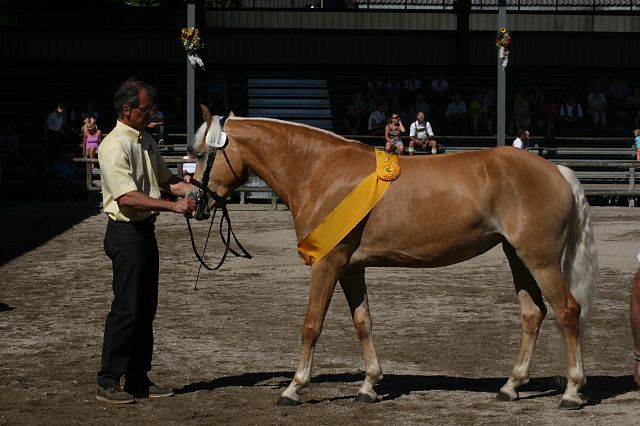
202, 201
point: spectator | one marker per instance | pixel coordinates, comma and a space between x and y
440, 89
376, 120
8, 146
156, 124
521, 116
89, 115
522, 140
421, 135
91, 141
597, 106
633, 107
456, 115
412, 84
549, 115
636, 144
570, 115
217, 96
421, 104
189, 169
54, 132
392, 132
131, 181
480, 115
356, 113
618, 93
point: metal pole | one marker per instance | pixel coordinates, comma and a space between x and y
500, 130
191, 76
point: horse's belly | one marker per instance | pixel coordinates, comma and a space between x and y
423, 253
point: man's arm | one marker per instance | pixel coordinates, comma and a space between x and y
140, 201
634, 317
176, 186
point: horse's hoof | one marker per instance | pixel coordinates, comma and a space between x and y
567, 404
363, 397
285, 401
503, 396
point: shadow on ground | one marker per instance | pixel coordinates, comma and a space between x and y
26, 226
393, 386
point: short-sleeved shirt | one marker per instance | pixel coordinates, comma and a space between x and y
420, 130
55, 121
129, 161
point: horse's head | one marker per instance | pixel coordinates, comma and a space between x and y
219, 167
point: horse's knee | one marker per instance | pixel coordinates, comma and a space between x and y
569, 315
531, 320
362, 324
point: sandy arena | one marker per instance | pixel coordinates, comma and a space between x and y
446, 338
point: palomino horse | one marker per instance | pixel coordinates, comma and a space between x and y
507, 196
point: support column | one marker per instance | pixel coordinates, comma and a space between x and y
191, 76
501, 95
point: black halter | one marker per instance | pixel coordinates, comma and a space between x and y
201, 205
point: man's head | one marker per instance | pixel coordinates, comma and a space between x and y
135, 103
420, 116
60, 108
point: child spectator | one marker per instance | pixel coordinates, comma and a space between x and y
636, 133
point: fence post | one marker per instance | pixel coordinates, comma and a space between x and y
632, 186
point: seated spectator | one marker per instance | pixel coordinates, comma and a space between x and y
456, 115
421, 135
156, 124
548, 118
570, 116
440, 89
89, 115
421, 104
521, 116
412, 84
376, 122
618, 93
633, 107
356, 113
189, 169
480, 115
597, 106
8, 147
522, 141
91, 141
392, 133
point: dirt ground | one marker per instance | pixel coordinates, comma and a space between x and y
446, 337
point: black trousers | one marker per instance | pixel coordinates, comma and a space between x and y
128, 333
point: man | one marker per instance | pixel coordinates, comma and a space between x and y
634, 314
54, 134
421, 135
377, 120
132, 174
522, 141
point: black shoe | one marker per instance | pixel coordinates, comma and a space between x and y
114, 395
149, 390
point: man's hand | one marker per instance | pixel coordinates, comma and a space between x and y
184, 205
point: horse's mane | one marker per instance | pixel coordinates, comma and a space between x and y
291, 123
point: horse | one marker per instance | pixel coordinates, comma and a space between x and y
536, 210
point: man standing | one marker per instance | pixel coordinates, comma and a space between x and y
54, 134
133, 172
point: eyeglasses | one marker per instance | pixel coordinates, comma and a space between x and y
147, 109
395, 116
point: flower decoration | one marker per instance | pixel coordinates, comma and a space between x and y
190, 39
503, 41
389, 172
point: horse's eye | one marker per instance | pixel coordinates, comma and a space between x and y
200, 155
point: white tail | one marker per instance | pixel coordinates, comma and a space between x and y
579, 260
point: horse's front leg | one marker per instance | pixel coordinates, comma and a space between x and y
355, 290
324, 276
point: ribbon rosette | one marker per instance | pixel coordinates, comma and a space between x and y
190, 39
503, 40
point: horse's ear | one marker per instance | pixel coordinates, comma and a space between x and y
231, 114
206, 114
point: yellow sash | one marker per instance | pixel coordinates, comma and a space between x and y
350, 211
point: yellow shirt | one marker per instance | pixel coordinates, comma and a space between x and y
129, 161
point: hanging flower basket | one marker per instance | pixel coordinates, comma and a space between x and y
190, 39
503, 41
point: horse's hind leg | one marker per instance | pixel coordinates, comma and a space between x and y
355, 290
532, 311
322, 283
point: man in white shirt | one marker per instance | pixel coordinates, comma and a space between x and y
522, 141
421, 135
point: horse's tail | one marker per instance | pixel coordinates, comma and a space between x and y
579, 260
